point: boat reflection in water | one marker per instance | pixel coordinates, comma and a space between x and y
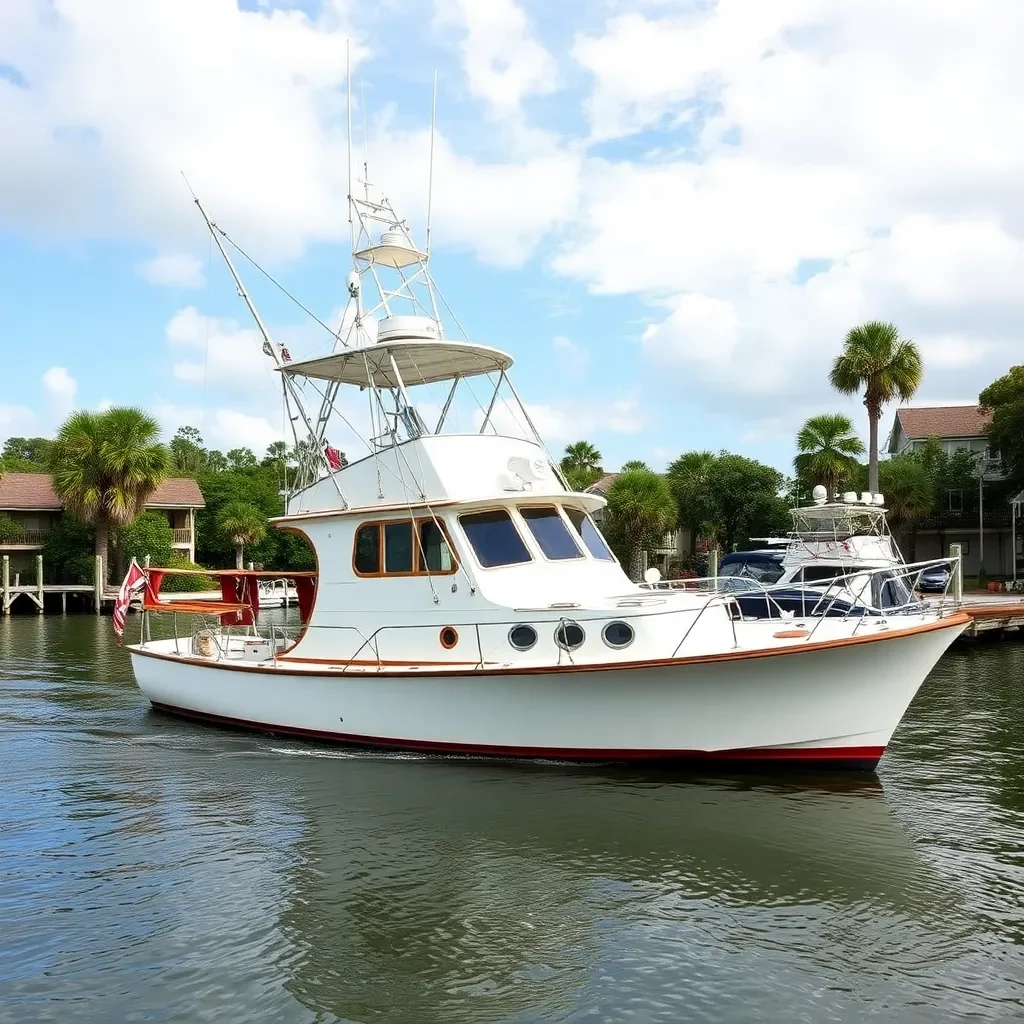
462, 891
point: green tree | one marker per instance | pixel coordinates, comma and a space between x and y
187, 453
886, 367
11, 531
216, 462
641, 505
66, 552
909, 494
150, 534
1004, 400
105, 465
746, 500
242, 458
628, 467
30, 453
828, 450
244, 524
581, 465
689, 478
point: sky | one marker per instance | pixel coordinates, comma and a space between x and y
668, 211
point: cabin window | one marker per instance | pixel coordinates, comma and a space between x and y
435, 554
824, 573
550, 532
402, 548
589, 534
494, 538
367, 554
397, 547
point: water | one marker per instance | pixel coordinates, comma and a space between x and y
162, 871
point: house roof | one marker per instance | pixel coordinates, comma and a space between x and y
35, 491
601, 486
943, 421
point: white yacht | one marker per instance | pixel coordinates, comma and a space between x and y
465, 601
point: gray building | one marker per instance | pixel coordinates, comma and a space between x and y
985, 528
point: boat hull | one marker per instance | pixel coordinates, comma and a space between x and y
832, 706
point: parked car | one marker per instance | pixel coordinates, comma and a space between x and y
934, 579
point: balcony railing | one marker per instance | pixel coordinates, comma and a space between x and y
27, 539
182, 536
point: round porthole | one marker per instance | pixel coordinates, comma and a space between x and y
449, 637
522, 638
569, 636
618, 634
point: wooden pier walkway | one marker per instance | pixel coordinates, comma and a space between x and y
36, 592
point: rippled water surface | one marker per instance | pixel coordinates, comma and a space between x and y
156, 870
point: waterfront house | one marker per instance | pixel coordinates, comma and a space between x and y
31, 501
976, 519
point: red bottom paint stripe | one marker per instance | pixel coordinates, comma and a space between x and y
825, 757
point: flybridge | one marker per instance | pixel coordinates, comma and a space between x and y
391, 344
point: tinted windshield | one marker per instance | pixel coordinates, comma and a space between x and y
589, 534
494, 538
550, 532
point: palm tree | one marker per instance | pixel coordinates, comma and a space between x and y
105, 465
633, 464
244, 524
877, 360
908, 495
641, 505
689, 478
581, 465
828, 450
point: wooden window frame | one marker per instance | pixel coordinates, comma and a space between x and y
417, 550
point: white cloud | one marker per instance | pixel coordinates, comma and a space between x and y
502, 60
95, 143
174, 268
17, 420
60, 389
104, 405
222, 428
218, 351
570, 420
816, 164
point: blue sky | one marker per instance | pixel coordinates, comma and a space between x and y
668, 211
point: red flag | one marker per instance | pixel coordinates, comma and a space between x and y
333, 458
285, 354
133, 583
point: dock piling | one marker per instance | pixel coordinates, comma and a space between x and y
39, 583
7, 584
98, 584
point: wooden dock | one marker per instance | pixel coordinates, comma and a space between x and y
990, 615
35, 593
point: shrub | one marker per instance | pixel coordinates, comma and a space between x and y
10, 531
150, 535
188, 584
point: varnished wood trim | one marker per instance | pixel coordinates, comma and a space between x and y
417, 550
394, 662
959, 619
791, 634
